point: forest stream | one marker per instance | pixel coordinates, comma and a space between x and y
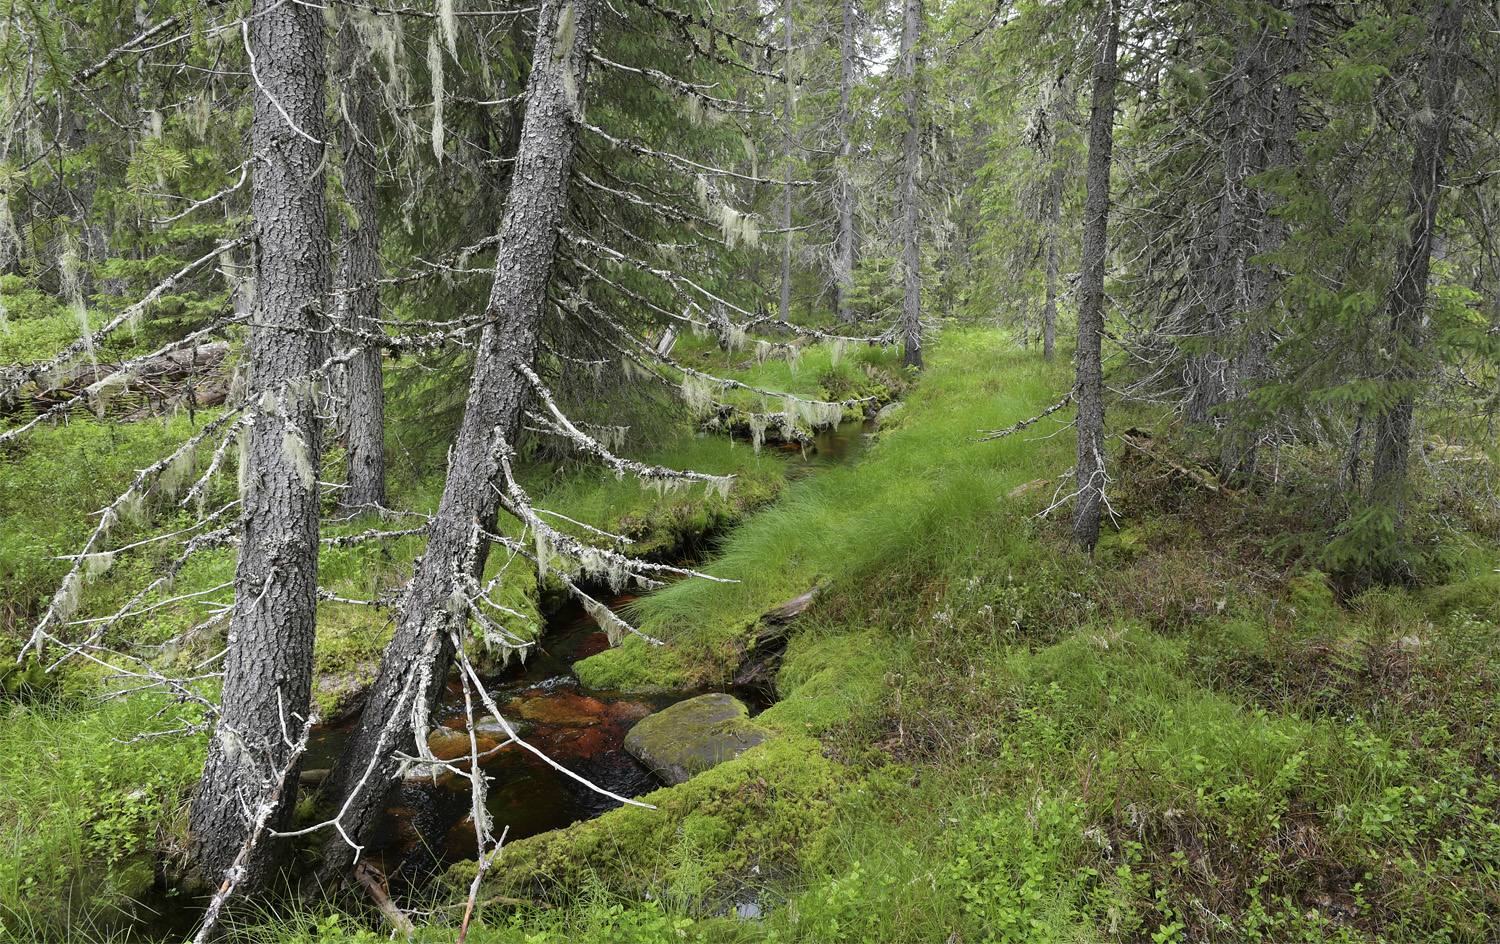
428, 826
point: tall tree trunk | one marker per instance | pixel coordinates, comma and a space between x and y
843, 266
1090, 367
358, 269
415, 662
1274, 105
1408, 298
786, 186
911, 156
268, 672
1228, 249
1060, 94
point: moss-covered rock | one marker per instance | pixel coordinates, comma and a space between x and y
634, 666
693, 736
767, 812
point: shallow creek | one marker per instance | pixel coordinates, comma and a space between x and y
583, 729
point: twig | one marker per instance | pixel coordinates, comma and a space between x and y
366, 874
1002, 433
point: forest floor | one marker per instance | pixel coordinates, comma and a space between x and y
980, 733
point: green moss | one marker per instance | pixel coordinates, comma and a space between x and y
768, 810
634, 666
1120, 546
827, 681
693, 736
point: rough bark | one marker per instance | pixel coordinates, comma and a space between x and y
358, 268
911, 157
268, 671
1060, 94
843, 265
1408, 298
1281, 105
1259, 125
415, 662
1089, 366
786, 186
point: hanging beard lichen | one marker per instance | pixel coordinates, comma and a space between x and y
718, 485
757, 431
199, 111
106, 389
133, 506
435, 67
614, 627
449, 23
836, 351
72, 292
178, 471
609, 568
294, 448
95, 565
697, 393
737, 227
793, 357
544, 556
65, 601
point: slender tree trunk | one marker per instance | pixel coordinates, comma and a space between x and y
1275, 104
358, 269
415, 663
911, 156
1229, 252
268, 672
1408, 298
786, 187
844, 241
1090, 369
1060, 94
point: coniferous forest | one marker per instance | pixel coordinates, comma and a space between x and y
654, 470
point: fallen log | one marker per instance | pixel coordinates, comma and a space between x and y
159, 380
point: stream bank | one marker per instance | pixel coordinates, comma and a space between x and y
576, 717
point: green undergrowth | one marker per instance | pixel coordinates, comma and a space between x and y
665, 524
85, 811
1200, 734
921, 494
105, 826
1196, 736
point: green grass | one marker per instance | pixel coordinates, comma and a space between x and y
985, 735
85, 811
922, 494
1177, 741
